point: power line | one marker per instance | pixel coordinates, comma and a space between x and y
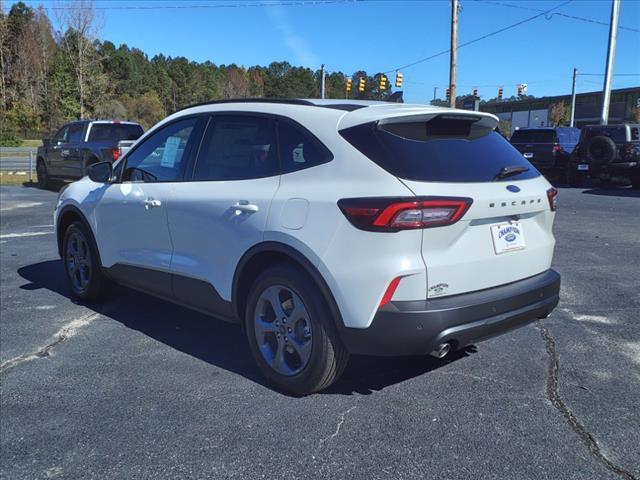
573, 17
509, 27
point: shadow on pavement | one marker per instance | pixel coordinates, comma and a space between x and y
613, 192
220, 343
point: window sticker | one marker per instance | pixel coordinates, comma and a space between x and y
170, 150
298, 155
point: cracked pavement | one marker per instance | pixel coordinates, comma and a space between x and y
138, 388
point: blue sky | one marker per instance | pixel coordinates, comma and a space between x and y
382, 35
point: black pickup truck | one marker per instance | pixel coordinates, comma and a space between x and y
79, 144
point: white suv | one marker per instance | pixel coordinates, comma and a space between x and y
324, 227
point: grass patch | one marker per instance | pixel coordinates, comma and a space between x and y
31, 143
6, 179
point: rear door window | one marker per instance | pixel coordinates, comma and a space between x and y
533, 136
237, 147
114, 132
438, 150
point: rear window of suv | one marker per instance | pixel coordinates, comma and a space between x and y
616, 133
533, 136
114, 132
438, 150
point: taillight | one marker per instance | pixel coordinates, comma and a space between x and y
115, 153
395, 214
556, 148
552, 196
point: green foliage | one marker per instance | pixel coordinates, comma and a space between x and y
558, 114
51, 79
9, 140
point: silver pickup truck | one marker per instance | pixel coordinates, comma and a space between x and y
79, 144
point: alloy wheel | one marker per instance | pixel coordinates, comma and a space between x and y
78, 260
283, 330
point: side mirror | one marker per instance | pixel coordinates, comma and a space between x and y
46, 142
101, 172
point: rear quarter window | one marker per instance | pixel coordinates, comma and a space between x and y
438, 151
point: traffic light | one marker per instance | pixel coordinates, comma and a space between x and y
475, 91
383, 81
448, 93
399, 79
348, 86
500, 92
519, 89
361, 83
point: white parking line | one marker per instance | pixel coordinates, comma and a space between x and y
20, 205
66, 332
24, 234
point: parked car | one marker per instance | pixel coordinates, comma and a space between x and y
325, 228
80, 144
548, 149
604, 152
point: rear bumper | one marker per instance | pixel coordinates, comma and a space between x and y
417, 327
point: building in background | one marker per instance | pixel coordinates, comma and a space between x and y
535, 112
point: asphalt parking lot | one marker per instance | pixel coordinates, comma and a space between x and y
139, 388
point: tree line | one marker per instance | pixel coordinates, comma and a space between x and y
48, 77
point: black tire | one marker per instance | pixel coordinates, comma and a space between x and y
328, 356
44, 181
98, 285
601, 150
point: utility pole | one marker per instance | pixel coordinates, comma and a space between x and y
454, 53
573, 98
322, 81
611, 53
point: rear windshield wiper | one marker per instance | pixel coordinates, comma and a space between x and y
510, 171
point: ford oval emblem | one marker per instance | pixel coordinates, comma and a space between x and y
513, 188
510, 237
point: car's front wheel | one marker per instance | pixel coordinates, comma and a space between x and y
82, 264
291, 331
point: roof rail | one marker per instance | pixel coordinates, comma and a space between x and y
290, 101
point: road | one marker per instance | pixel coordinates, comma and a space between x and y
139, 388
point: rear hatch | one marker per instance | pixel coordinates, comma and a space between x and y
505, 235
539, 146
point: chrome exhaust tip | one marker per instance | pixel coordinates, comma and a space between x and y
441, 351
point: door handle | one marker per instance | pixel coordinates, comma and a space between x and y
150, 203
244, 206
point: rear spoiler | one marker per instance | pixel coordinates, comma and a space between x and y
389, 114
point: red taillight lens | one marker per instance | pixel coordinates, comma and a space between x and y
115, 153
552, 195
394, 214
556, 148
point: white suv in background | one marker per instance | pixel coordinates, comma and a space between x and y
324, 227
